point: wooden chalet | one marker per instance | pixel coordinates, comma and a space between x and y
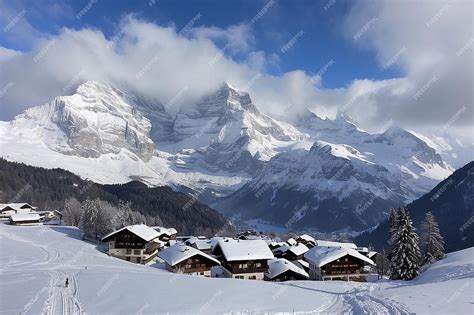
280, 269
243, 259
309, 241
204, 245
136, 243
337, 263
7, 209
291, 252
185, 259
166, 234
26, 219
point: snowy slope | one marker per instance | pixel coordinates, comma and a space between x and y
36, 260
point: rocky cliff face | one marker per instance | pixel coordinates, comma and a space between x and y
229, 132
95, 120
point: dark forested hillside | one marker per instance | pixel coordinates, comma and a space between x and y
49, 188
452, 204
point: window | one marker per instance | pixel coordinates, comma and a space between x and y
127, 258
244, 266
347, 259
253, 277
128, 251
258, 265
111, 245
139, 259
137, 252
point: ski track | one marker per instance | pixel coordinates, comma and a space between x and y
365, 302
59, 300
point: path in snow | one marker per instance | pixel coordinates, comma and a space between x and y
362, 300
60, 300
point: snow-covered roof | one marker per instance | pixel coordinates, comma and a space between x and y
335, 244
371, 254
166, 231
199, 243
234, 250
18, 217
362, 249
307, 238
321, 256
298, 249
15, 205
177, 253
280, 265
291, 241
302, 263
141, 230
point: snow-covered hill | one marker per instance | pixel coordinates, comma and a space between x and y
36, 260
223, 143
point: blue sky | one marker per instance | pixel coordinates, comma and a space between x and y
323, 40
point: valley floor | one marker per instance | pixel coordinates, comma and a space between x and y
36, 260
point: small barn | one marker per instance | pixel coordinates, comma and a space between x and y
181, 258
280, 269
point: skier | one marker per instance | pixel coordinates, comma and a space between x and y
67, 282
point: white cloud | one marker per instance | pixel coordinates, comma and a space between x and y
422, 38
160, 62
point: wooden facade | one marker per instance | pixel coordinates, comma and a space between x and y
344, 268
130, 247
245, 266
197, 265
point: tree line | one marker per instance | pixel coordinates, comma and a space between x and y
97, 217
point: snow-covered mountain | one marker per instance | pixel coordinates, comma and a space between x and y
96, 120
225, 131
226, 151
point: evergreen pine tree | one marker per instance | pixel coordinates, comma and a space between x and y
89, 218
431, 242
393, 226
406, 256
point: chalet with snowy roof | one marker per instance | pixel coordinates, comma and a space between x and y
243, 259
7, 209
181, 258
26, 219
136, 243
291, 252
280, 269
336, 263
309, 241
166, 234
273, 245
203, 245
